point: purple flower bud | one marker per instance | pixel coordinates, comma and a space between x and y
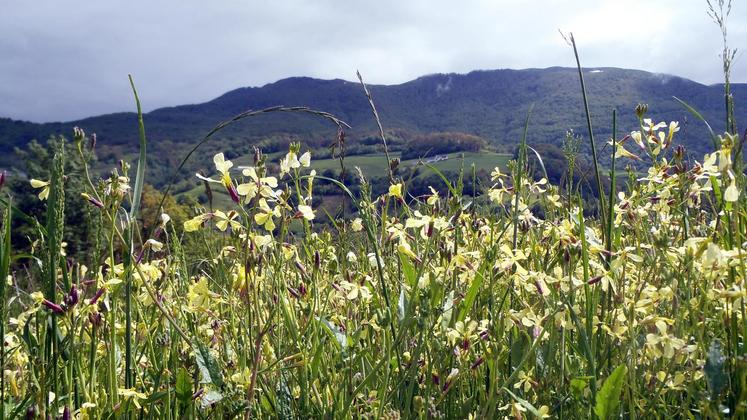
95, 319
71, 299
233, 193
594, 280
477, 363
2, 179
98, 295
55, 308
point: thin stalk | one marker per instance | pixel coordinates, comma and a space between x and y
591, 132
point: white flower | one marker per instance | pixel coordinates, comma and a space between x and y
306, 212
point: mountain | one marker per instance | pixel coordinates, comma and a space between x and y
491, 104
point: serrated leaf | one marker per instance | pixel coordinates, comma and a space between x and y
608, 398
209, 369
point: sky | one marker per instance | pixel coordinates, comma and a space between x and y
65, 60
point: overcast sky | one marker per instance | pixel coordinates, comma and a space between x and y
63, 60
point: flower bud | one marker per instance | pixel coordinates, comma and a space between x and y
55, 308
641, 110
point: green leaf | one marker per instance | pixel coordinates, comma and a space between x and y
140, 175
209, 369
578, 386
183, 385
335, 332
608, 398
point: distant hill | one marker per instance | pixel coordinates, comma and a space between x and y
491, 104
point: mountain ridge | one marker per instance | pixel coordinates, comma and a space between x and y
488, 103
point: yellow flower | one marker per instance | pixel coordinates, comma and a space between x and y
132, 395
264, 185
265, 215
195, 223
223, 220
44, 185
200, 296
357, 225
395, 190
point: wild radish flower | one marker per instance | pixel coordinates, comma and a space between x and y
265, 215
44, 185
291, 161
165, 219
525, 381
731, 194
196, 222
356, 225
154, 245
223, 220
306, 212
223, 166
258, 185
395, 190
663, 344
419, 221
355, 290
132, 395
463, 333
199, 295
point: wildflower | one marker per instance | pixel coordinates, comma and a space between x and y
306, 212
463, 333
433, 198
132, 395
258, 185
525, 382
731, 194
200, 296
291, 161
223, 166
663, 344
195, 223
265, 215
44, 185
224, 220
395, 190
357, 225
154, 245
419, 221
355, 290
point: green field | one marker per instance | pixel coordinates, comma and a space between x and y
375, 164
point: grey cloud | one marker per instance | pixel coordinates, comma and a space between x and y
67, 60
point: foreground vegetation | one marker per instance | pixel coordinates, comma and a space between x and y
440, 305
523, 298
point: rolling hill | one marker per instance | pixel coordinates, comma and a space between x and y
491, 104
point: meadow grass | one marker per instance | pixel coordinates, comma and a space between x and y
526, 301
